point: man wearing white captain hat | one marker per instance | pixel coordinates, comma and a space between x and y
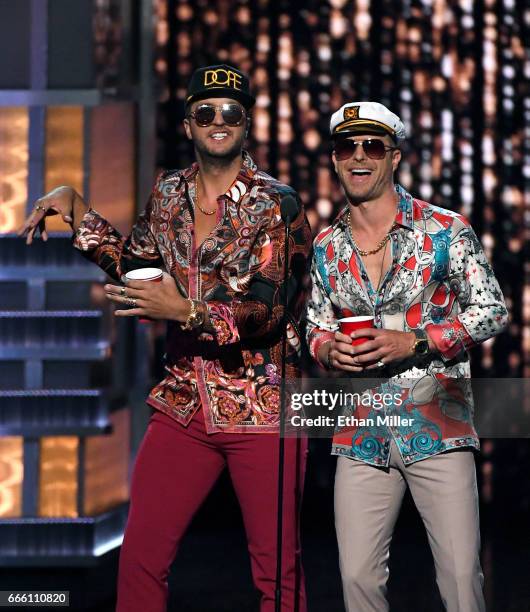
420, 271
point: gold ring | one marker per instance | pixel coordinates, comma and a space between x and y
131, 302
39, 207
122, 292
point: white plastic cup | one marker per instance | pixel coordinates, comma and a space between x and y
148, 275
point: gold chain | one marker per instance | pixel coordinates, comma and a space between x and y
373, 251
206, 212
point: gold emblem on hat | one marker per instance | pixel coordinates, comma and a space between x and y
351, 112
222, 78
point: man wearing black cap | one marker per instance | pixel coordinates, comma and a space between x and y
216, 228
418, 273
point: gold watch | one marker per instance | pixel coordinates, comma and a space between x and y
196, 317
421, 344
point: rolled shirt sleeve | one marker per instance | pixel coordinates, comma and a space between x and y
321, 321
102, 244
483, 311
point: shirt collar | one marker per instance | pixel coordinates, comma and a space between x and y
240, 185
405, 208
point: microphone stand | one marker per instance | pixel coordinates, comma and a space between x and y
287, 216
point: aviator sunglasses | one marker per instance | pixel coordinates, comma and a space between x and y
204, 114
374, 148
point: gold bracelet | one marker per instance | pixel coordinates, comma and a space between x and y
189, 321
195, 318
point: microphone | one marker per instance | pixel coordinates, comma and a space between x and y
289, 208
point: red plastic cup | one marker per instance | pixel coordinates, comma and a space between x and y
351, 324
149, 275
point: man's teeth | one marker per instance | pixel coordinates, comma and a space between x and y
361, 172
219, 135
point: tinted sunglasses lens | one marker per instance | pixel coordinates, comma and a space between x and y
232, 114
204, 115
375, 149
344, 149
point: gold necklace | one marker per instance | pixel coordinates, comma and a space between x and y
373, 251
206, 212
381, 270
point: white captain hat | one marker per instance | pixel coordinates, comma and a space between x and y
368, 118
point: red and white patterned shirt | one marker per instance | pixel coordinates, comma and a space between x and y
439, 281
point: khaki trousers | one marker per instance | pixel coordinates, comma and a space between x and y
367, 503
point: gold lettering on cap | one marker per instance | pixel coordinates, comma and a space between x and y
223, 78
351, 112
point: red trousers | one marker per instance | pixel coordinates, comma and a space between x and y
175, 469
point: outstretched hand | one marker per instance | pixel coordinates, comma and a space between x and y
64, 201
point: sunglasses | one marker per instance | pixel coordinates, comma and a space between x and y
374, 148
232, 114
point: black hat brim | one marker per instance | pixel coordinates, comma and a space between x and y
246, 100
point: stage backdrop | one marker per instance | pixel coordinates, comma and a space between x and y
454, 71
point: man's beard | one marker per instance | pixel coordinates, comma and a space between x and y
359, 197
219, 158
363, 194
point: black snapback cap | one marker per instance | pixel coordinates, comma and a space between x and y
220, 81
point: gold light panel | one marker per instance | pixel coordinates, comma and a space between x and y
107, 466
63, 154
14, 124
112, 164
11, 476
58, 476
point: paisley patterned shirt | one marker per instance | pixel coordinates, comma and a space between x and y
234, 374
439, 281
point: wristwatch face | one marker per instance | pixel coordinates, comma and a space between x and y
421, 347
198, 319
